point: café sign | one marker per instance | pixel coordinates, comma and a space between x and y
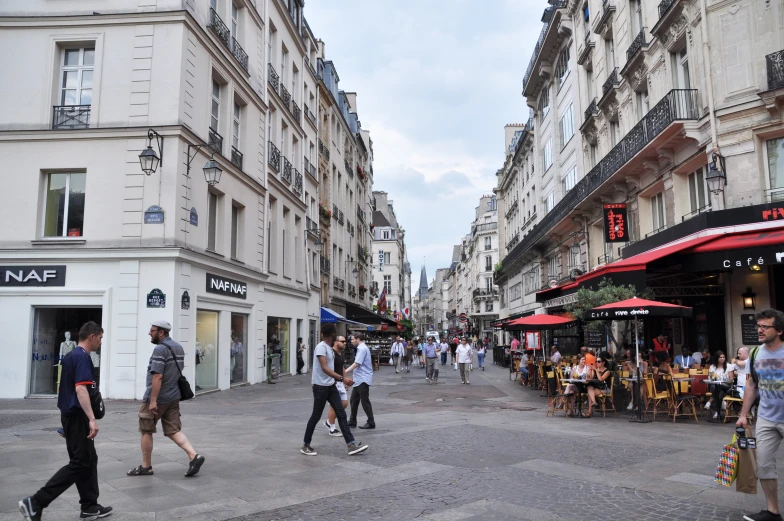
15, 276
227, 287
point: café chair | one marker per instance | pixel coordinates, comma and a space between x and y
734, 405
681, 402
654, 397
556, 398
605, 396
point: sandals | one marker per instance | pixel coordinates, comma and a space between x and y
141, 471
590, 413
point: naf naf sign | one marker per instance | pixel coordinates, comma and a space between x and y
227, 287
27, 276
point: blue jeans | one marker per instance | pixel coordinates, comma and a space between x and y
443, 358
481, 359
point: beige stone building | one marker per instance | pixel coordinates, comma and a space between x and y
676, 129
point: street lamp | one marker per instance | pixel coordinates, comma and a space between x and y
748, 299
717, 174
148, 159
212, 172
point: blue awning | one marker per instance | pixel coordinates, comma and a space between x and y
331, 316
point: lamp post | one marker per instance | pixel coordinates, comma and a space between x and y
150, 161
716, 179
749, 299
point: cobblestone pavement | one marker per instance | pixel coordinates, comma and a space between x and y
442, 452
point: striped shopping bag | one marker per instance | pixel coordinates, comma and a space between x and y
728, 464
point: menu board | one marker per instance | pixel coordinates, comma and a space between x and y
748, 330
594, 338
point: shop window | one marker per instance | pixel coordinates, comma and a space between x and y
278, 340
239, 348
64, 205
206, 350
55, 334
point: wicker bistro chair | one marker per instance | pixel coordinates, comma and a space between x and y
556, 398
681, 401
655, 398
733, 403
603, 397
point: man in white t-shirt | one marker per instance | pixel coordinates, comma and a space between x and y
444, 351
464, 357
398, 352
555, 356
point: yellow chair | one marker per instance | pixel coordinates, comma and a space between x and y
603, 396
734, 405
680, 400
655, 397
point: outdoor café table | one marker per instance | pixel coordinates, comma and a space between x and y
676, 379
581, 385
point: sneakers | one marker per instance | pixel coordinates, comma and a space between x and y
333, 431
195, 465
356, 448
763, 515
708, 405
30, 509
96, 512
307, 450
715, 415
630, 407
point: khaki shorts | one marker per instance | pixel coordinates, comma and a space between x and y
769, 435
168, 413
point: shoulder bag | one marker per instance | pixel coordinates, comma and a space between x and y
96, 402
186, 393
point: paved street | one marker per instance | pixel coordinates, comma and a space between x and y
444, 452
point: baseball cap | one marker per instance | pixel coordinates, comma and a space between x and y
162, 324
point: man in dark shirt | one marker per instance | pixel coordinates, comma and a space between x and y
161, 400
76, 415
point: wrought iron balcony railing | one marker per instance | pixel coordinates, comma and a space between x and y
547, 18
340, 216
310, 116
349, 171
676, 105
350, 227
71, 117
324, 264
240, 54
591, 111
285, 96
323, 150
334, 211
310, 169
775, 195
342, 284
297, 181
513, 241
311, 227
272, 77
335, 282
215, 141
286, 173
224, 35
236, 158
486, 227
610, 82
775, 66
664, 6
608, 7
361, 214
352, 290
273, 158
296, 112
585, 50
695, 213
637, 44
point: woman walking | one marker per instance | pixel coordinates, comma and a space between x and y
300, 351
480, 354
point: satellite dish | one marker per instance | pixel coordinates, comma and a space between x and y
553, 283
576, 272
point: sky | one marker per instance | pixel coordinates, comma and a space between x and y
436, 82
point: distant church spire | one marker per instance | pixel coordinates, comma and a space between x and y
423, 283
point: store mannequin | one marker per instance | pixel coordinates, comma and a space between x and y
65, 347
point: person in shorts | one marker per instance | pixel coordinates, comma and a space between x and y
161, 400
338, 347
765, 365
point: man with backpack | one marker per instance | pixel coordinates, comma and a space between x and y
161, 400
766, 364
398, 352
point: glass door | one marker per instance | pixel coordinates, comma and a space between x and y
239, 348
206, 350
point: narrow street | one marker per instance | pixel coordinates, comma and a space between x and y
445, 452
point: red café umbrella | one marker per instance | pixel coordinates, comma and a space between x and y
538, 322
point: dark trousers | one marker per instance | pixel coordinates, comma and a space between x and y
443, 357
718, 391
321, 395
300, 364
82, 469
361, 392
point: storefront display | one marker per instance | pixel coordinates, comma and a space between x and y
278, 340
239, 348
55, 333
206, 350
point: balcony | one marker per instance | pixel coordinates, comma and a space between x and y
297, 182
588, 128
585, 51
485, 293
350, 227
362, 253
513, 241
482, 228
604, 25
285, 96
310, 117
341, 284
272, 77
512, 208
311, 227
236, 158
71, 117
286, 174
335, 282
296, 112
323, 150
224, 35
774, 195
348, 168
310, 169
361, 214
215, 141
340, 217
610, 83
273, 158
665, 6
352, 290
695, 213
607, 258
548, 37
637, 44
653, 131
334, 211
775, 67
324, 265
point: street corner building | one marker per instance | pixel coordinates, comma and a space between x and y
164, 166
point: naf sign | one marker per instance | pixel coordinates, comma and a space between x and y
228, 287
26, 276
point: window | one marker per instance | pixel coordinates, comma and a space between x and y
386, 235
552, 267
609, 55
532, 280
212, 220
236, 222
775, 153
574, 255
488, 243
635, 7
516, 291
489, 305
594, 152
64, 205
215, 106
569, 179
544, 102
234, 21
567, 126
489, 284
388, 284
549, 202
615, 131
235, 126
643, 103
76, 76
682, 70
387, 258
488, 263
547, 155
562, 67
657, 211
697, 199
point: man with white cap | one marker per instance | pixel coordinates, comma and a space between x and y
161, 400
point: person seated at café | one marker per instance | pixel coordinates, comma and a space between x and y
524, 373
600, 381
684, 360
580, 371
706, 360
741, 363
590, 357
722, 373
663, 363
555, 356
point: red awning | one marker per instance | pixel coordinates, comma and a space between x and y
736, 241
540, 322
